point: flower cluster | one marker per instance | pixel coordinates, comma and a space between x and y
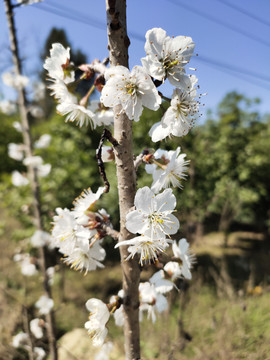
77, 233
62, 75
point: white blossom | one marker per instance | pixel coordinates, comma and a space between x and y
173, 269
39, 91
166, 57
27, 266
180, 116
34, 161
132, 90
161, 284
153, 215
169, 171
102, 115
84, 203
107, 153
145, 246
15, 81
44, 170
40, 238
44, 305
50, 273
57, 64
86, 258
182, 252
75, 112
17, 126
39, 353
18, 179
7, 107
98, 318
36, 329
104, 353
43, 142
16, 151
21, 339
151, 301
36, 111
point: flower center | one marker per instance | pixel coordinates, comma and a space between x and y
131, 88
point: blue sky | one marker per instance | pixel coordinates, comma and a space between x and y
226, 39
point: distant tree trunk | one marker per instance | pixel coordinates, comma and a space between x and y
31, 171
118, 43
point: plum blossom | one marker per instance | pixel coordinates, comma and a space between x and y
21, 339
162, 285
84, 203
132, 90
40, 238
76, 112
145, 246
169, 171
166, 57
98, 318
104, 353
180, 116
44, 305
16, 151
28, 268
173, 269
15, 81
18, 179
57, 64
43, 142
107, 153
151, 301
39, 353
102, 115
153, 215
7, 107
36, 328
17, 126
182, 252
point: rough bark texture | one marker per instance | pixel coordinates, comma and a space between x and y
118, 43
31, 171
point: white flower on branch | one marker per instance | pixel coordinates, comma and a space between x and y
85, 257
39, 353
145, 246
7, 107
98, 318
57, 64
15, 81
17, 126
173, 269
16, 151
84, 203
102, 115
161, 284
40, 238
34, 161
104, 353
43, 142
27, 266
21, 339
153, 215
75, 112
182, 252
44, 305
169, 170
36, 329
180, 116
36, 112
166, 57
18, 179
151, 301
107, 153
132, 90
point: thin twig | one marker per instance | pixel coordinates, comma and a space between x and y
106, 135
111, 232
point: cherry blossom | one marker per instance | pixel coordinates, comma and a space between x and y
167, 56
169, 170
132, 90
182, 252
180, 116
153, 215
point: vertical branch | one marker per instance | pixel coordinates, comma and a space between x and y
31, 170
118, 43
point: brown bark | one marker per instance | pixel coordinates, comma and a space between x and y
32, 173
118, 43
